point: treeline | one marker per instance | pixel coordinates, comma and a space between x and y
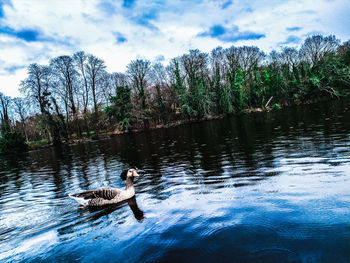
74, 96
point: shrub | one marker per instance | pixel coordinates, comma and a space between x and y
275, 106
12, 142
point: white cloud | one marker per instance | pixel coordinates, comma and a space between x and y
10, 83
152, 28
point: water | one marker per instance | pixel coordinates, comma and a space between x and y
266, 187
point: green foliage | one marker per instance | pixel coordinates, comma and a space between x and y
125, 124
111, 111
346, 57
275, 106
179, 88
12, 142
121, 108
193, 86
236, 81
199, 101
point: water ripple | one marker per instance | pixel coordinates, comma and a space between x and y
269, 187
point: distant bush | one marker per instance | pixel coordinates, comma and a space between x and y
12, 142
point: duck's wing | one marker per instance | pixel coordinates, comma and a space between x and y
104, 193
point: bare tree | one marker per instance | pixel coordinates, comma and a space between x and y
95, 69
4, 113
246, 57
20, 107
37, 86
63, 69
315, 47
138, 71
158, 74
290, 57
80, 61
217, 60
195, 65
119, 79
160, 93
107, 87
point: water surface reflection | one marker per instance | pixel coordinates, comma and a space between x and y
268, 187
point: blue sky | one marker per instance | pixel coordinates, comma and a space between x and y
120, 31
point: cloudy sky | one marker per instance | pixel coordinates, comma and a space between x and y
120, 31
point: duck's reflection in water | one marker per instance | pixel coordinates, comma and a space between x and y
107, 209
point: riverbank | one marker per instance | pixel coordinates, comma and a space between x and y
35, 145
108, 134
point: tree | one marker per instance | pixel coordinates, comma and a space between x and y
5, 125
121, 107
234, 77
80, 61
20, 107
138, 71
317, 46
107, 87
37, 86
221, 93
344, 52
289, 61
194, 85
246, 61
160, 91
63, 69
177, 85
95, 69
119, 79
195, 66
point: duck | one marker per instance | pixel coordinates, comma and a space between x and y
108, 196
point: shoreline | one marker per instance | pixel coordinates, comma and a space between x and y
111, 134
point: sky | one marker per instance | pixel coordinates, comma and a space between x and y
34, 31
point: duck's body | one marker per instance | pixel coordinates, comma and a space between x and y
108, 196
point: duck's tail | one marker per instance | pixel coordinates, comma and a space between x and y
80, 199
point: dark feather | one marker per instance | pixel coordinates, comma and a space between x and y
104, 193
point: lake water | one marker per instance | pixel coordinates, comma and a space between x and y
265, 187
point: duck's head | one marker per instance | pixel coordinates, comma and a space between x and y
128, 173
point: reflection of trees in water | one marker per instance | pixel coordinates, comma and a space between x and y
239, 146
85, 157
11, 168
151, 149
62, 161
233, 142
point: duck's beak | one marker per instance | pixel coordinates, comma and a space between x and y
134, 173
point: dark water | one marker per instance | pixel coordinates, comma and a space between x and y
268, 187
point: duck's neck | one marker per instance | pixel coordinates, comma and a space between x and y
129, 183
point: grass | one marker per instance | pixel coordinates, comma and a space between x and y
38, 144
